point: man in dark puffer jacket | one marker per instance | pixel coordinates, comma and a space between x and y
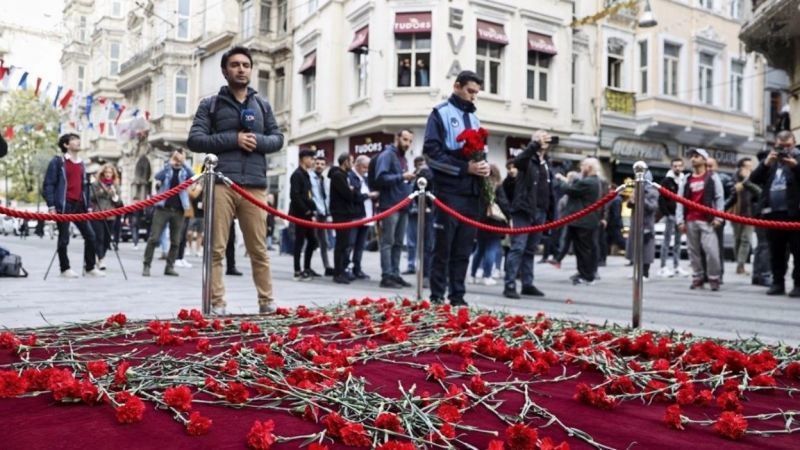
241, 146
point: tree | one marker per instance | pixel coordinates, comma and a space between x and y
34, 142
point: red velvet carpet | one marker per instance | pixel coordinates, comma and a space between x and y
380, 374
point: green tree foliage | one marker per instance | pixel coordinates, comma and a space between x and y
34, 142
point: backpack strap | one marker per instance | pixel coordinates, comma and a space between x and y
213, 108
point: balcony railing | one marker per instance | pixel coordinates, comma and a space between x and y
620, 101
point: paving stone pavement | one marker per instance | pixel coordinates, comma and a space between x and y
737, 310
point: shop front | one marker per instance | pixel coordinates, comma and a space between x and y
370, 144
627, 151
321, 148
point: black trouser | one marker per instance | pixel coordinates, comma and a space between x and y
452, 247
783, 243
230, 249
322, 242
161, 218
86, 232
341, 249
762, 271
303, 235
182, 245
358, 238
102, 236
584, 245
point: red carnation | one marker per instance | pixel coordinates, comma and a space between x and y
447, 431
731, 425
131, 411
521, 437
236, 393
729, 401
478, 386
231, 367
791, 371
116, 320
11, 384
763, 381
97, 368
62, 384
333, 423
673, 417
183, 314
354, 435
704, 397
397, 445
260, 436
547, 444
389, 421
203, 345
311, 413
8, 340
495, 444
436, 371
449, 413
179, 398
121, 375
198, 425
274, 361
88, 392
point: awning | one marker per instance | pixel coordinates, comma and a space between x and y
309, 63
416, 22
360, 41
541, 43
492, 32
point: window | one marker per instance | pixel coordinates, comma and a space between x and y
264, 17
574, 85
312, 6
643, 64
113, 58
182, 31
82, 29
538, 72
736, 9
112, 117
160, 94
413, 59
116, 8
490, 56
707, 4
361, 74
309, 90
283, 17
81, 78
705, 78
280, 87
737, 85
158, 23
616, 58
263, 83
672, 55
775, 107
181, 92
247, 19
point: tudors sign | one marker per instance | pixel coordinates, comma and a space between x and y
416, 22
633, 150
369, 144
321, 148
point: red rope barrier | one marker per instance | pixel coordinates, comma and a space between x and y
98, 215
532, 229
323, 225
727, 216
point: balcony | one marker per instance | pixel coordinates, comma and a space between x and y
773, 32
619, 101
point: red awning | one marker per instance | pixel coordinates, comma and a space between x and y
416, 22
309, 63
360, 40
541, 43
492, 32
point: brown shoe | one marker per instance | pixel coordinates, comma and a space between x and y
697, 283
740, 270
714, 284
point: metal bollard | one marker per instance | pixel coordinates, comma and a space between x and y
639, 169
422, 183
210, 162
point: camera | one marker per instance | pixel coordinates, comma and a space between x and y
782, 151
554, 140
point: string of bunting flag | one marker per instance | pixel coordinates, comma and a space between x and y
83, 111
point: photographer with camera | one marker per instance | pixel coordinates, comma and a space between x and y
779, 177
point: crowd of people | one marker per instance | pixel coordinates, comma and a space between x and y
535, 191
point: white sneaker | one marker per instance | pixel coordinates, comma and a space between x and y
101, 264
680, 272
183, 263
666, 272
489, 281
496, 273
472, 280
69, 273
96, 273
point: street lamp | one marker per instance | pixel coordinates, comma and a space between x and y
648, 19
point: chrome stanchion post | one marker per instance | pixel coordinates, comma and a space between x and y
637, 228
422, 183
210, 162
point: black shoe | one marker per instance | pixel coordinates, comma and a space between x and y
510, 293
341, 279
233, 271
311, 273
389, 283
542, 261
777, 289
794, 293
349, 275
401, 282
531, 290
409, 272
171, 272
301, 276
329, 272
458, 302
436, 301
361, 275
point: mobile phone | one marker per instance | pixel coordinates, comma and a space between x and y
554, 140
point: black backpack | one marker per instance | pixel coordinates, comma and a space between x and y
11, 265
373, 163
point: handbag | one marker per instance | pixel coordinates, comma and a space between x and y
495, 213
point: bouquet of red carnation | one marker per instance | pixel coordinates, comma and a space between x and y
474, 149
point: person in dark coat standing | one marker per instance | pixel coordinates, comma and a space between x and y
343, 209
581, 194
301, 204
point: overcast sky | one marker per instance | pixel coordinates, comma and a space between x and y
38, 56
